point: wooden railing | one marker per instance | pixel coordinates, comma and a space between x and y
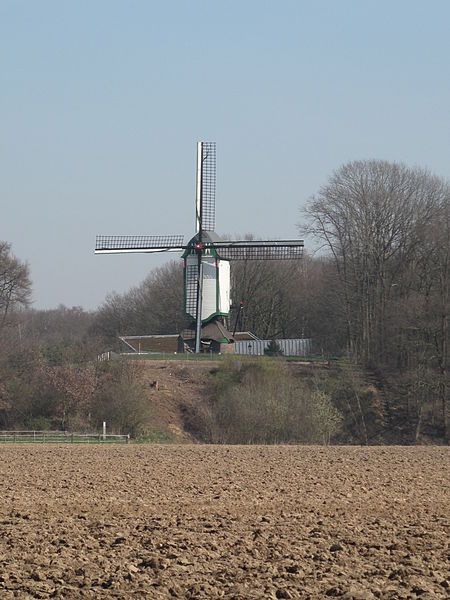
61, 437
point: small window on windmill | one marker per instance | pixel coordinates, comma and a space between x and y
209, 268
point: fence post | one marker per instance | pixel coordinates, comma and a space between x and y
128, 438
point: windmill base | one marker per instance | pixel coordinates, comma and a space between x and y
215, 338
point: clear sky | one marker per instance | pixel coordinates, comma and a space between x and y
102, 102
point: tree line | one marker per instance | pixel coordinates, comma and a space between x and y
373, 287
386, 228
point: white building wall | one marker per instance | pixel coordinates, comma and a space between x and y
209, 300
224, 286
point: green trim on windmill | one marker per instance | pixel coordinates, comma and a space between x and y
208, 239
185, 289
216, 314
217, 287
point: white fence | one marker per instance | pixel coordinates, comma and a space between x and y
298, 347
110, 355
60, 437
289, 347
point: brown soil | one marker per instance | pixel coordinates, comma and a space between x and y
174, 389
224, 522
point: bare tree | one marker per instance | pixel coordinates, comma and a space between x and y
15, 285
271, 293
155, 306
387, 228
432, 282
372, 216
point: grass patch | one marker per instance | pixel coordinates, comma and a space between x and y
220, 357
155, 436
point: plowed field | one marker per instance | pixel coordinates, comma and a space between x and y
224, 522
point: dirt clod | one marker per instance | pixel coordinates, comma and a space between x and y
336, 547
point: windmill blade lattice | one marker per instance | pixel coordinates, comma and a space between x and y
260, 250
110, 244
191, 282
208, 186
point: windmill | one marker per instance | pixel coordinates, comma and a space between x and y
206, 257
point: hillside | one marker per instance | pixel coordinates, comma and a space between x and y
179, 390
175, 388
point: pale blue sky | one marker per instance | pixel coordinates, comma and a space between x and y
102, 103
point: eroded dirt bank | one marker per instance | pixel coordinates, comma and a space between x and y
224, 522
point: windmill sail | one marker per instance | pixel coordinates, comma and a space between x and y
206, 187
117, 244
260, 250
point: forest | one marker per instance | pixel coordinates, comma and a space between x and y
372, 289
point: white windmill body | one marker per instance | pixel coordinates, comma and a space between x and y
216, 281
206, 257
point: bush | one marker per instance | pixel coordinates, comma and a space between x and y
39, 424
121, 399
260, 402
273, 349
328, 420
